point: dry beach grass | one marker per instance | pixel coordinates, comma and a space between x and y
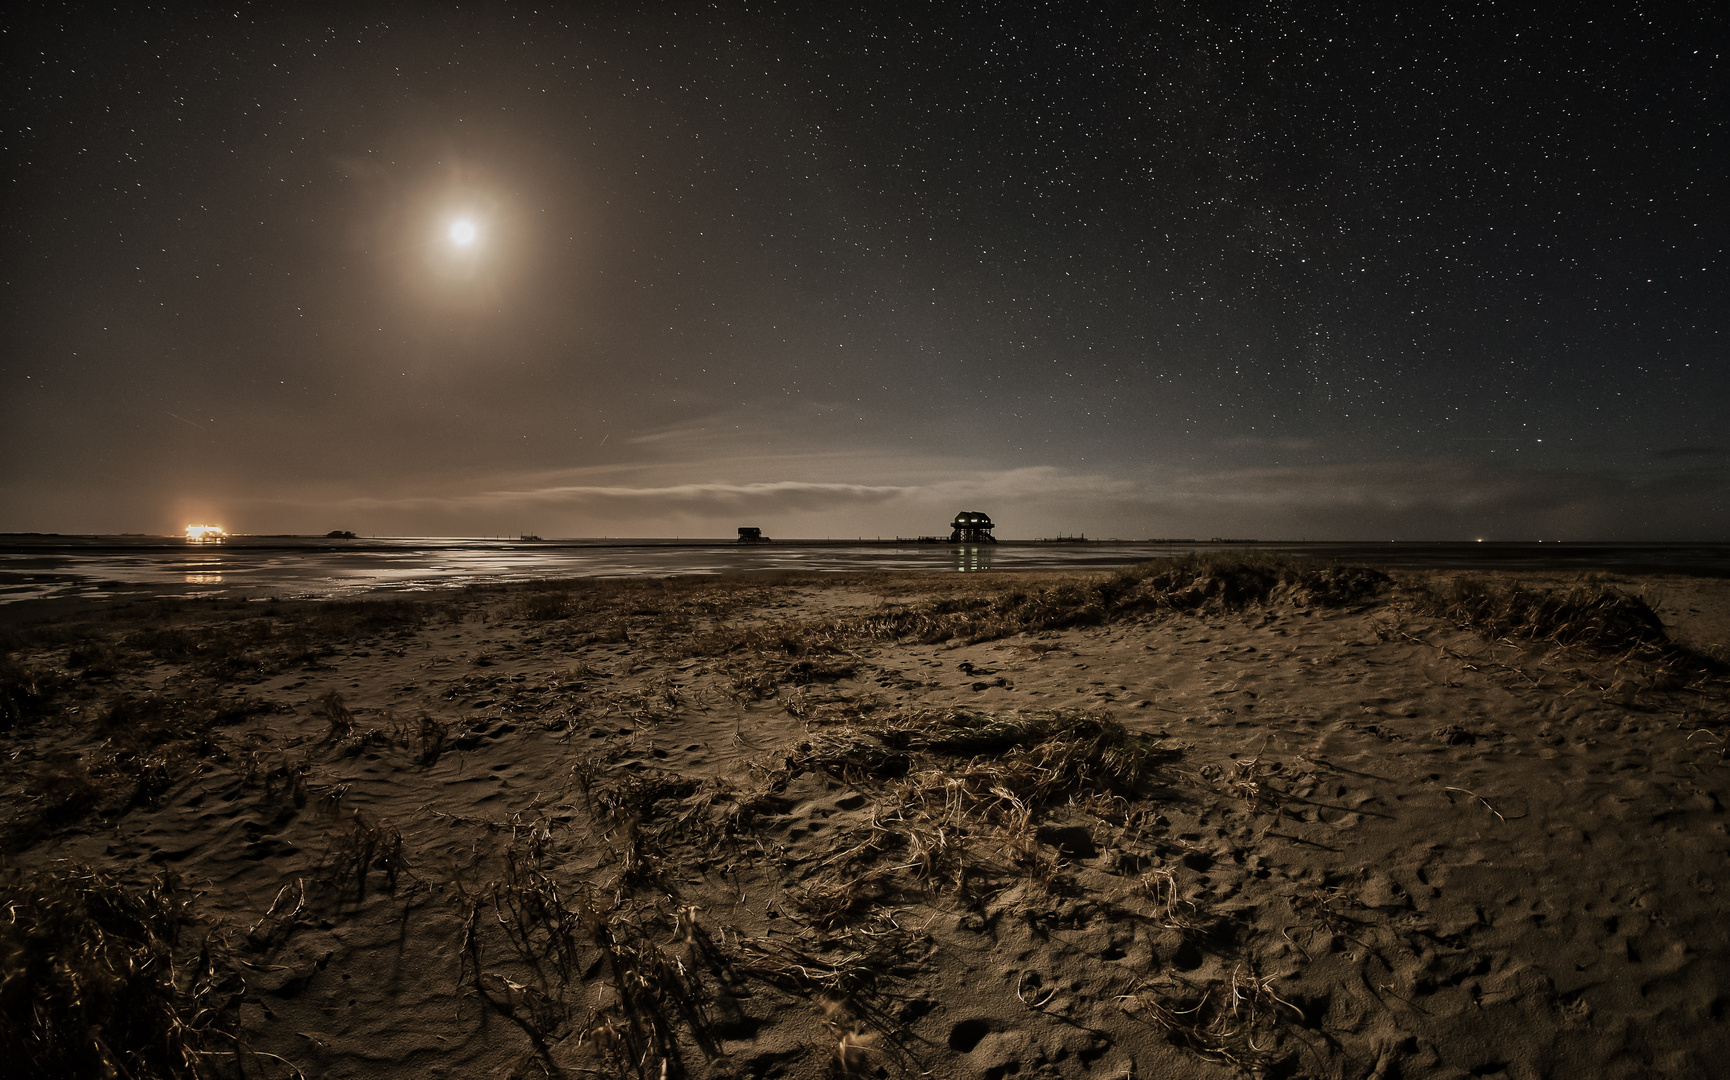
1203, 818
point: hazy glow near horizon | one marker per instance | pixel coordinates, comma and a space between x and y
463, 232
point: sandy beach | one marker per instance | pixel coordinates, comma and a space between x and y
1206, 818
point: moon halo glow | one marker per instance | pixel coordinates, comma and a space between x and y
463, 233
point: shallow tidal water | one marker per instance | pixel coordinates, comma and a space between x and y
42, 567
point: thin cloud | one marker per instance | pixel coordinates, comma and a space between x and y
796, 494
678, 498
1436, 499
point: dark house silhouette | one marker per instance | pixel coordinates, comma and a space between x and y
972, 527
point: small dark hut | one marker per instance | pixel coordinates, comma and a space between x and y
972, 527
751, 535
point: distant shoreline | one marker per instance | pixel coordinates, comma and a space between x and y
147, 541
42, 566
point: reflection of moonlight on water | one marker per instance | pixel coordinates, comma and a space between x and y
463, 232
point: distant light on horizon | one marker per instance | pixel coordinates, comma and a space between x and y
205, 534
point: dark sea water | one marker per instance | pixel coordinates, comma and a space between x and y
37, 567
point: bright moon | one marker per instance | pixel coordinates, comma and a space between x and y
462, 233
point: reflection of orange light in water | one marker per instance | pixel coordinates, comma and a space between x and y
204, 579
205, 534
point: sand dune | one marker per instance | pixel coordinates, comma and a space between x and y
1217, 820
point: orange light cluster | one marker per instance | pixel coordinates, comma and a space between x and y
205, 534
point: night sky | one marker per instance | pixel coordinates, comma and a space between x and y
1277, 270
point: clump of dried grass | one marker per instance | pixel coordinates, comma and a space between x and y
1196, 582
627, 808
280, 919
1032, 756
139, 724
286, 780
146, 745
972, 814
365, 846
646, 706
1191, 583
1159, 887
62, 790
24, 692
1236, 1019
567, 936
1231, 581
1041, 754
850, 973
94, 659
343, 732
546, 934
851, 754
426, 734
664, 611
236, 640
1246, 775
1596, 618
655, 996
89, 984
714, 809
631, 797
339, 721
548, 605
